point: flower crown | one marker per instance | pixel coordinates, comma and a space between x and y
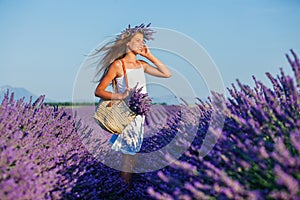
145, 30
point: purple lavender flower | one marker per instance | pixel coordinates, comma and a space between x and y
257, 155
138, 101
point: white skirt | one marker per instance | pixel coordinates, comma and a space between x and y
130, 140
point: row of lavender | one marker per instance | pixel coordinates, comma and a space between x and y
256, 157
44, 155
258, 153
38, 147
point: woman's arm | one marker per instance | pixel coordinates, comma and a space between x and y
161, 70
114, 71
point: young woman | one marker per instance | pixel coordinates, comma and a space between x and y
122, 52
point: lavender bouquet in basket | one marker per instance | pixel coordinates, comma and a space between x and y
115, 116
138, 102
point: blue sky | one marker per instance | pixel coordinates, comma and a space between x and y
43, 43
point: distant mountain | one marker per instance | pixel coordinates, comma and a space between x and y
19, 93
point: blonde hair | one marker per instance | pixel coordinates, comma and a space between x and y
117, 48
111, 52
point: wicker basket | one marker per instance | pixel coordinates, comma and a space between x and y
114, 116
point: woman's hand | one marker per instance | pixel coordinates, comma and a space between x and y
161, 70
125, 94
145, 52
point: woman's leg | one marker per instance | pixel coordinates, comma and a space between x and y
127, 167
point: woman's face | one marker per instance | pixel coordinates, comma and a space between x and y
136, 44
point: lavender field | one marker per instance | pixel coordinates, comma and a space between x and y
48, 152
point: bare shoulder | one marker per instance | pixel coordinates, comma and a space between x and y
144, 64
116, 67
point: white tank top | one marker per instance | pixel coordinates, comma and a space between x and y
134, 76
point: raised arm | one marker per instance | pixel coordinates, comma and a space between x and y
161, 70
115, 70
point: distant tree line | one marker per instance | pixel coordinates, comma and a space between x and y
83, 103
70, 103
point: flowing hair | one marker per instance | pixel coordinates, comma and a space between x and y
117, 48
110, 52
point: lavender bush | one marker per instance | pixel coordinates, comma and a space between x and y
43, 154
37, 144
258, 153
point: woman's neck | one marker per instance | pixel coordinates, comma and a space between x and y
130, 57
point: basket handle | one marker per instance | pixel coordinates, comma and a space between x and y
125, 76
